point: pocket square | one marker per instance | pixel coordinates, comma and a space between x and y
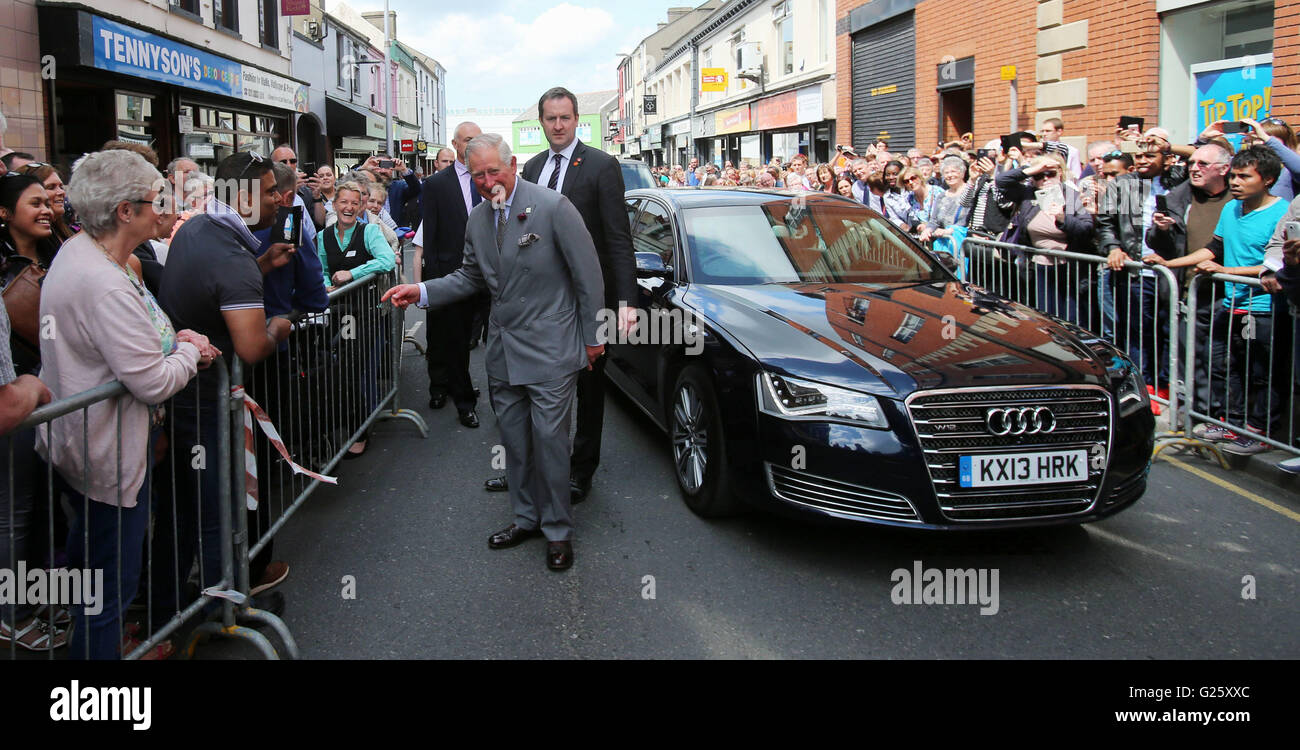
528, 239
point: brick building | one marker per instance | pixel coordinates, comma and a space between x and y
22, 90
921, 71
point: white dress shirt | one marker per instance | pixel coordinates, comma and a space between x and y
466, 185
566, 156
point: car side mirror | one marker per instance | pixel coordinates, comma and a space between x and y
651, 266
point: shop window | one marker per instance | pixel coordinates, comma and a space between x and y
1203, 34
189, 6
220, 133
225, 14
135, 118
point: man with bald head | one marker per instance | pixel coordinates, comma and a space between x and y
445, 202
444, 159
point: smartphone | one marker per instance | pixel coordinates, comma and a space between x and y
288, 225
1131, 123
986, 153
387, 163
1235, 127
1162, 205
1292, 230
308, 167
1049, 196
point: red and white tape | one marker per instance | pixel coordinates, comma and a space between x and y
253, 411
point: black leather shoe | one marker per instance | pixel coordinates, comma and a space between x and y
496, 484
469, 419
559, 555
437, 402
578, 489
510, 536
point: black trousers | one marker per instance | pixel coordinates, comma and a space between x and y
447, 353
591, 418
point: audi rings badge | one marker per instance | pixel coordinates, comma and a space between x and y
1028, 420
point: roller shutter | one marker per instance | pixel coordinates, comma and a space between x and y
884, 83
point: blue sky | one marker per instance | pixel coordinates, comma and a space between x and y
507, 52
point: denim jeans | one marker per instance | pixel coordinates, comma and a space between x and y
1055, 291
100, 538
1106, 302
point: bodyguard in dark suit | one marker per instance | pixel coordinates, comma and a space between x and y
593, 182
445, 201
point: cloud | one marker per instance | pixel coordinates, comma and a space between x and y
493, 57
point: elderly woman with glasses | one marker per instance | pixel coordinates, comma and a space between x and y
1050, 216
110, 327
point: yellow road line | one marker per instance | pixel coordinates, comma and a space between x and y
1225, 484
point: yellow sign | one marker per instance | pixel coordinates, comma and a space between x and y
1008, 72
713, 79
884, 90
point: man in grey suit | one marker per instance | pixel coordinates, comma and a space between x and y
529, 248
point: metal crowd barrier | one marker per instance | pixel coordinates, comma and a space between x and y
1195, 367
177, 511
336, 375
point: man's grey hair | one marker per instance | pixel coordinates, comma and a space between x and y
104, 180
1224, 155
486, 141
286, 177
1108, 145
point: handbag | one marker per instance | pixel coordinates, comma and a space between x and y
22, 301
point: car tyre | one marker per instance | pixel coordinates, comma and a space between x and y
698, 446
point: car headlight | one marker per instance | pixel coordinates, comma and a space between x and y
791, 398
1133, 396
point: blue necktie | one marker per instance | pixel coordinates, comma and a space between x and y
474, 197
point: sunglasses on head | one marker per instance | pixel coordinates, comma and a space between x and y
254, 158
1112, 154
1273, 120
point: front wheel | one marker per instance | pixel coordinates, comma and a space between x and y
699, 446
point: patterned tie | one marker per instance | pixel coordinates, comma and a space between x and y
501, 227
553, 183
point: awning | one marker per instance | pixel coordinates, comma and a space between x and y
347, 119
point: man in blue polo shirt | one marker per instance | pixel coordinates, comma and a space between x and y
1241, 332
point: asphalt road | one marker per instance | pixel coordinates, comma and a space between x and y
409, 522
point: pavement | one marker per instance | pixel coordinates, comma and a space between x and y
1203, 566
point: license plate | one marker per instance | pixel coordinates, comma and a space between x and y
1004, 469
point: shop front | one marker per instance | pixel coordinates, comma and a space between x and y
1216, 63
119, 82
677, 142
793, 123
732, 140
356, 133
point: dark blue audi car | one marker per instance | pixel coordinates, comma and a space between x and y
804, 355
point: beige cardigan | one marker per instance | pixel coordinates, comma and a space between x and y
96, 329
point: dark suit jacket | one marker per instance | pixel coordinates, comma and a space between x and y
594, 184
442, 206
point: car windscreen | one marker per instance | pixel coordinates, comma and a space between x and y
798, 240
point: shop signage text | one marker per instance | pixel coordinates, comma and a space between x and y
732, 120
119, 48
713, 79
1237, 90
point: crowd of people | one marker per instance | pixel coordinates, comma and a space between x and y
128, 273
1218, 205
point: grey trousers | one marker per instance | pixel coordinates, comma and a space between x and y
534, 422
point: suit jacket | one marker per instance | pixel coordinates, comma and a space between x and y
594, 184
546, 296
443, 207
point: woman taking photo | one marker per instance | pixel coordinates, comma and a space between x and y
350, 250
1050, 216
110, 328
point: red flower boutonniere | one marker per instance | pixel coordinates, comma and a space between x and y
577, 162
526, 213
